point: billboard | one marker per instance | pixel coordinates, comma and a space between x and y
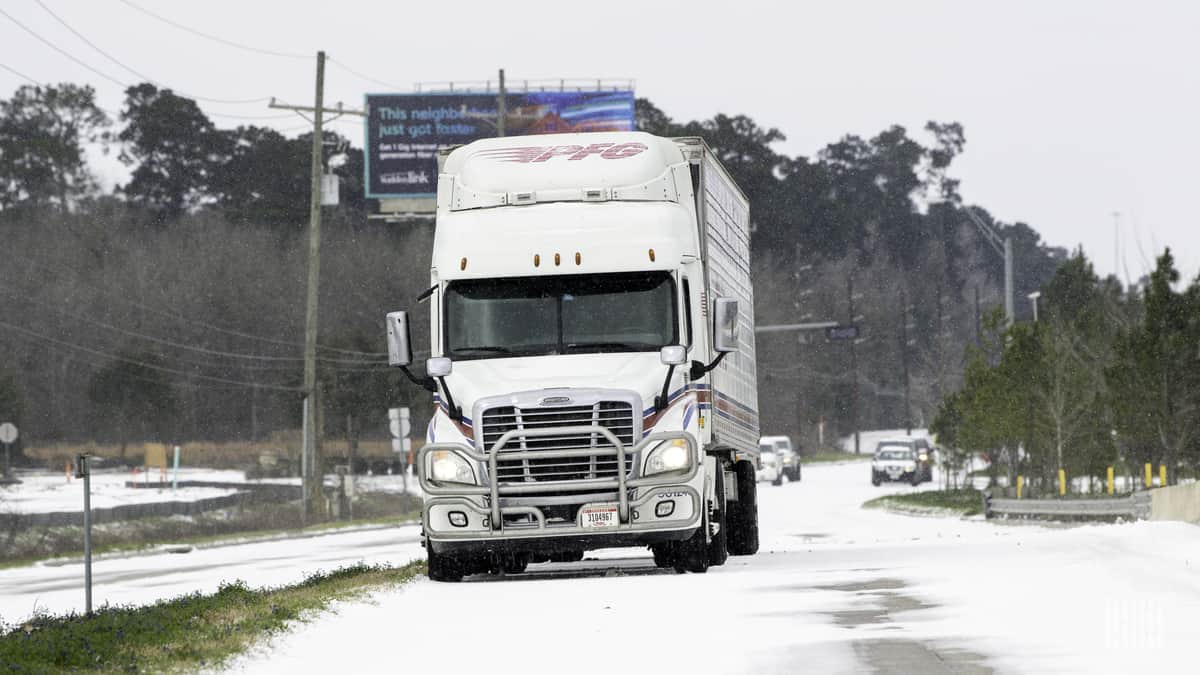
405, 131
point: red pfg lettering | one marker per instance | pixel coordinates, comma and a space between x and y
545, 153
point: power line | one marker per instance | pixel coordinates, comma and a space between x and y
214, 38
58, 271
121, 64
178, 345
51, 45
21, 75
363, 76
47, 338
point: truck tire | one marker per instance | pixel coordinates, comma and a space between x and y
718, 547
664, 555
742, 519
442, 567
691, 555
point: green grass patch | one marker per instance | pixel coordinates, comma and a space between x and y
831, 456
967, 502
184, 634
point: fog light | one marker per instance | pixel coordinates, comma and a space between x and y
458, 519
664, 509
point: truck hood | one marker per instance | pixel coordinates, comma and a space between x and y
640, 372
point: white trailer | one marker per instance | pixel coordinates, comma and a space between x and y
592, 341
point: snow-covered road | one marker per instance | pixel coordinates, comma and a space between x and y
835, 588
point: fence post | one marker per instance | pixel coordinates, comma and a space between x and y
1062, 482
1020, 485
1110, 480
1162, 475
1149, 474
85, 472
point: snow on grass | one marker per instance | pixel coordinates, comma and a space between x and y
50, 492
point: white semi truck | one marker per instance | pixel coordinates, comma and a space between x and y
592, 355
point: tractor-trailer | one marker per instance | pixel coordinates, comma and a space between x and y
592, 355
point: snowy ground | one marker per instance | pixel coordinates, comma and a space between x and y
46, 492
835, 588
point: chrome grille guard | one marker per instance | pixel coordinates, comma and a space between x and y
494, 490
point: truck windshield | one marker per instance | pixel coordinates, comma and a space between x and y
576, 314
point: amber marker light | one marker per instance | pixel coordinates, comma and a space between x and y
537, 260
557, 260
462, 265
651, 255
578, 258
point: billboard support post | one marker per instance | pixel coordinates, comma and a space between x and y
501, 109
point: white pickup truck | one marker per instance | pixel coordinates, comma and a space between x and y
592, 368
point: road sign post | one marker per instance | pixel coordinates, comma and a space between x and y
8, 436
82, 470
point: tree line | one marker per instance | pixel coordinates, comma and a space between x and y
1107, 376
172, 306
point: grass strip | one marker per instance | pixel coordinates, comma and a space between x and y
968, 502
825, 456
186, 633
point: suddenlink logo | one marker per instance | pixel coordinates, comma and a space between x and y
405, 178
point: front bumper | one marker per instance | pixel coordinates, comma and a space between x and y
514, 516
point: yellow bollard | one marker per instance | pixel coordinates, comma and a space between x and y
1110, 480
1149, 474
1020, 485
1062, 482
1162, 475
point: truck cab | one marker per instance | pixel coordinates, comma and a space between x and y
592, 359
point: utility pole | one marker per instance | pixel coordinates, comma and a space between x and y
312, 459
904, 359
1003, 248
853, 367
501, 107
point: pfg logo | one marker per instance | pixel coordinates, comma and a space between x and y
544, 153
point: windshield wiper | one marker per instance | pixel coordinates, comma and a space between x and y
611, 346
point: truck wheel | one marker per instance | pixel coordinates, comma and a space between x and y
718, 548
875, 480
916, 478
442, 567
742, 519
778, 479
691, 555
664, 555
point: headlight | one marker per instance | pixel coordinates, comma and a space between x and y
450, 467
909, 466
667, 456
924, 457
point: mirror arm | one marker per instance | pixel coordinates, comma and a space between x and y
455, 411
660, 402
699, 369
425, 383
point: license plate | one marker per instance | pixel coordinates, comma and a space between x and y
598, 517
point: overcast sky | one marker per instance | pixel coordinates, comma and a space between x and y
1072, 110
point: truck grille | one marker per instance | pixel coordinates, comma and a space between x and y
616, 416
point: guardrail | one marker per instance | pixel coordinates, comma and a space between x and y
1133, 507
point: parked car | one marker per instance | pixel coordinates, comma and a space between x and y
895, 462
921, 450
788, 457
770, 467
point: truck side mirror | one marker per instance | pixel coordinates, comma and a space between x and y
439, 366
399, 340
725, 325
